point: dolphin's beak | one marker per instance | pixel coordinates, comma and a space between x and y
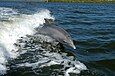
72, 44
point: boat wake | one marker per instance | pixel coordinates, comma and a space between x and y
21, 47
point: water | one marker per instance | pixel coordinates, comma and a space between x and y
90, 25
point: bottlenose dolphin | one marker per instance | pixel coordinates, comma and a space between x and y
56, 32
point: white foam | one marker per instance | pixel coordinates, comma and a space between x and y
2, 69
57, 59
72, 70
16, 26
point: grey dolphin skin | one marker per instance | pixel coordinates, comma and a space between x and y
56, 32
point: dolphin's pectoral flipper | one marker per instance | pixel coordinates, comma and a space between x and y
58, 34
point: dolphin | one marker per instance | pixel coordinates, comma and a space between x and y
56, 32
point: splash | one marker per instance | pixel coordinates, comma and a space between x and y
13, 26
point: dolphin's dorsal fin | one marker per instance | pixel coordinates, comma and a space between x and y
48, 21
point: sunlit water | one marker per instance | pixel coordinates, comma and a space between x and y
23, 52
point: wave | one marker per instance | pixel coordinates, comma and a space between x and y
14, 27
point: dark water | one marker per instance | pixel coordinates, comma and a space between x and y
92, 27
